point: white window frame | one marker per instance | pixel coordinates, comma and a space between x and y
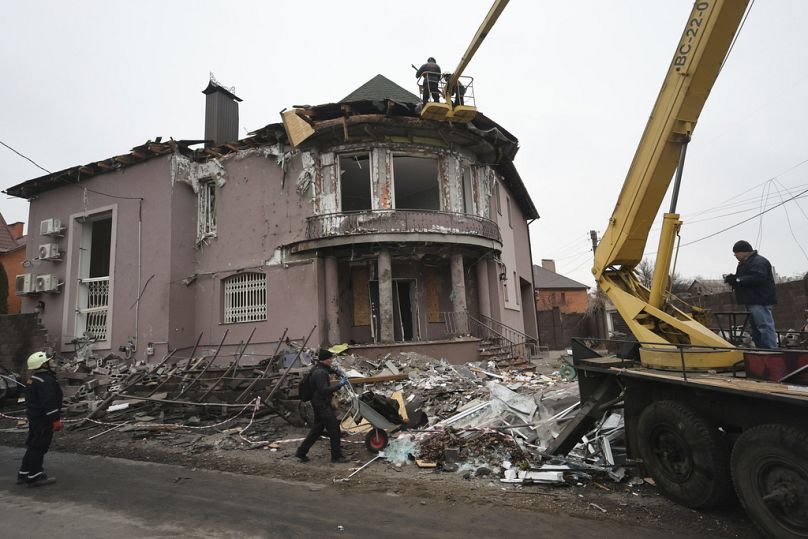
85, 297
244, 298
206, 211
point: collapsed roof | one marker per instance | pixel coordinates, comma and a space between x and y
377, 108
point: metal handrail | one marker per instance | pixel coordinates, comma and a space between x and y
467, 84
520, 345
400, 221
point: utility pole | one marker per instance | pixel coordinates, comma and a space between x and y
601, 316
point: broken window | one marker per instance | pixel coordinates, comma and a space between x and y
354, 174
416, 183
245, 297
206, 211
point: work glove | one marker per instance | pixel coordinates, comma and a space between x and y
343, 381
731, 279
57, 425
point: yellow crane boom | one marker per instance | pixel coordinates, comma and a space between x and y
698, 58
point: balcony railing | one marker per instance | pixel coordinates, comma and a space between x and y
400, 221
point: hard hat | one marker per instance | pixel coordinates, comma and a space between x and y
37, 359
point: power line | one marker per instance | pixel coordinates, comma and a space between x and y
790, 228
25, 157
745, 220
776, 176
70, 184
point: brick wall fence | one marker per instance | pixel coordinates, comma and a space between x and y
20, 335
789, 313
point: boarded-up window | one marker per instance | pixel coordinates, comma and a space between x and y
431, 290
361, 296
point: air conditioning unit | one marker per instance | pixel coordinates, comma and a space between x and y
50, 227
47, 283
26, 284
49, 251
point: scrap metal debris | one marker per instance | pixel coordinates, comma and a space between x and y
478, 420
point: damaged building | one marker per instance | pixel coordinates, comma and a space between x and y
358, 217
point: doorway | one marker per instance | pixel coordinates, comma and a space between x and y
406, 325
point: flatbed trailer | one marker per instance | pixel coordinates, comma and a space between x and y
703, 435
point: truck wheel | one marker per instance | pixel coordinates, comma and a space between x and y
770, 472
686, 455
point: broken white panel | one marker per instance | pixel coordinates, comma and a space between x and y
503, 398
329, 195
606, 447
185, 170
305, 180
541, 476
612, 421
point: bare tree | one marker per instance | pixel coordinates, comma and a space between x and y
645, 272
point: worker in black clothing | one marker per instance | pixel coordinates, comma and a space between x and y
431, 73
458, 92
325, 418
43, 404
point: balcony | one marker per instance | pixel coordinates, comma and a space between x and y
439, 226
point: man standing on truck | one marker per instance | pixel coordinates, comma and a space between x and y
753, 282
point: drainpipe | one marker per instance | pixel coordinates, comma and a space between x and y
139, 268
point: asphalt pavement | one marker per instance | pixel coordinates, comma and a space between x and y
106, 497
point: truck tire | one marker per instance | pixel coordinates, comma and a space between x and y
770, 473
686, 455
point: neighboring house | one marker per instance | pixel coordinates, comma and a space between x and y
12, 256
554, 290
372, 229
707, 287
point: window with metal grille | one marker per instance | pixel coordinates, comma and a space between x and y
245, 298
206, 211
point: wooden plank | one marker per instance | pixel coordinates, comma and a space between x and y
374, 379
361, 296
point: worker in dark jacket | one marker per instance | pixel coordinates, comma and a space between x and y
458, 92
43, 404
325, 418
753, 283
431, 73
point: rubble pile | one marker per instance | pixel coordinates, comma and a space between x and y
472, 417
484, 447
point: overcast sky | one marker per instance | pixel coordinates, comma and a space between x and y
574, 81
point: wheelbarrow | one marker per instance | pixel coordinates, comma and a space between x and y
378, 436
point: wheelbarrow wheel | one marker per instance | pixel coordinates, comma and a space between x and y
376, 440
